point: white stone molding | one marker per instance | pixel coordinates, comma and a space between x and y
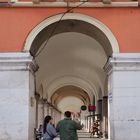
17, 62
72, 16
73, 4
123, 62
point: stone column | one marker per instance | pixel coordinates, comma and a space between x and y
100, 110
17, 101
46, 109
43, 109
37, 96
124, 96
99, 107
50, 110
40, 113
105, 116
57, 117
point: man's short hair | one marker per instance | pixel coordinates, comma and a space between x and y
67, 114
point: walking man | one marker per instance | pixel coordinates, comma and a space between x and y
67, 127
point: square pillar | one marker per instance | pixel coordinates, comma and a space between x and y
40, 114
124, 96
17, 103
99, 111
105, 116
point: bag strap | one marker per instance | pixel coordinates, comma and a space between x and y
48, 132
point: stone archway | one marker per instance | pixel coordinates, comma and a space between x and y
100, 28
72, 24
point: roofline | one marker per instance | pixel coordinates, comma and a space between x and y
68, 4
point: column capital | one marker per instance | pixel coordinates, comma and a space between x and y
123, 62
17, 62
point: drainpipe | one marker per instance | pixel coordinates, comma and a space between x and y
37, 3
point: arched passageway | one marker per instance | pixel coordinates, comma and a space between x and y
71, 55
67, 91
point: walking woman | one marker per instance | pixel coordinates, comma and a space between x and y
49, 132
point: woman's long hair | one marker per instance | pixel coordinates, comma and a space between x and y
46, 121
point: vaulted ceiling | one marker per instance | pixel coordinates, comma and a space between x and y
76, 55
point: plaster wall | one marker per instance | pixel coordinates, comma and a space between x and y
123, 22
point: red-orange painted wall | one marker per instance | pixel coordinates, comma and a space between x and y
16, 24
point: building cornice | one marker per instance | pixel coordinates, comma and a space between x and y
17, 62
37, 3
123, 62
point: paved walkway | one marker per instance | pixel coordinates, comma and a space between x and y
84, 136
